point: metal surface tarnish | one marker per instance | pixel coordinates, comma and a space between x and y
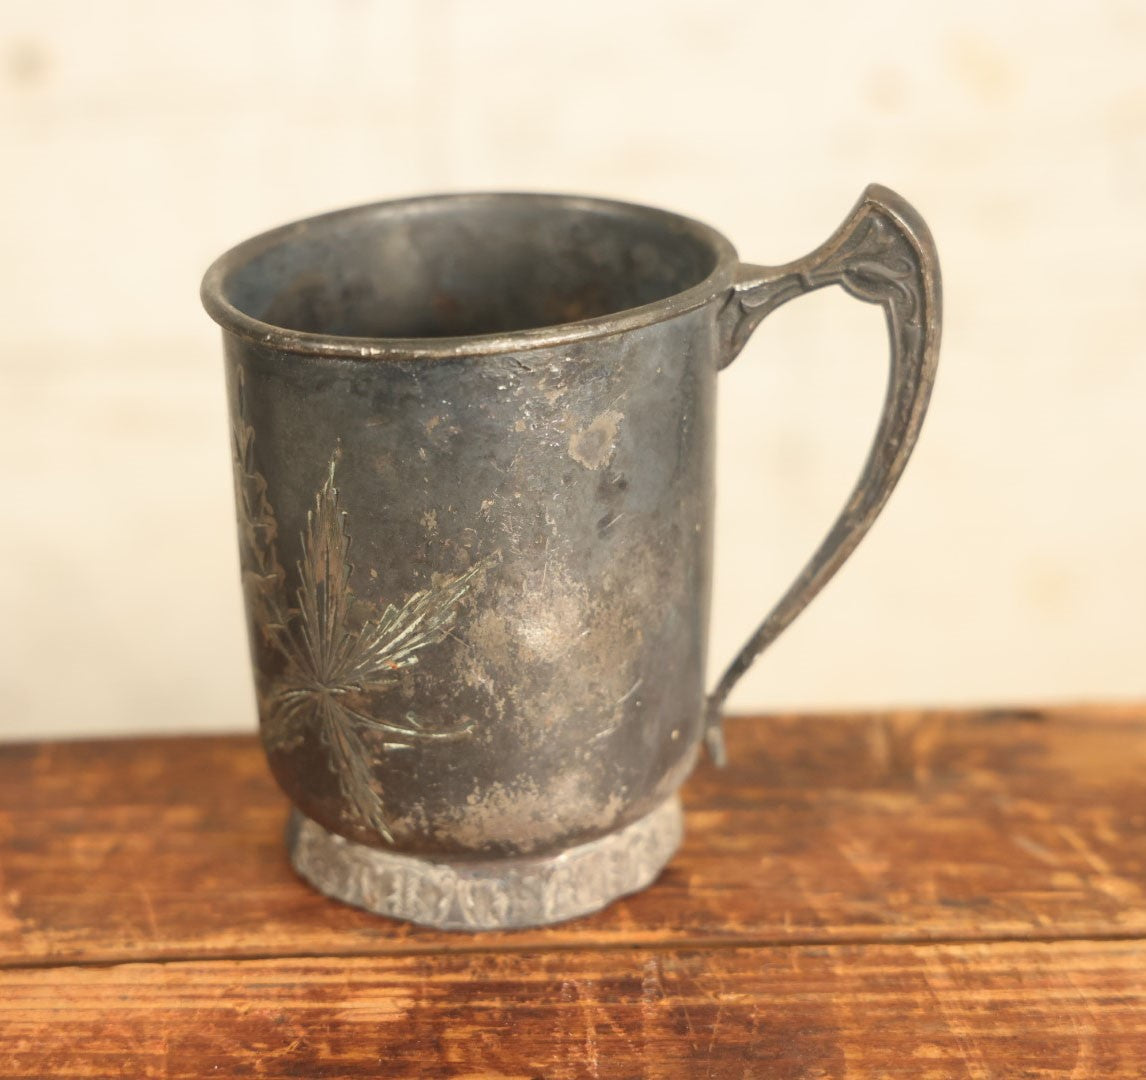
473, 439
490, 894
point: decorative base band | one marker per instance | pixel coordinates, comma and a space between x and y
487, 894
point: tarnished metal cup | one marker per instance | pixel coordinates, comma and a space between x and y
473, 447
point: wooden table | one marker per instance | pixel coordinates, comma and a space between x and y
901, 895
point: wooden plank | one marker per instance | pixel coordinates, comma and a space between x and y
918, 1012
909, 826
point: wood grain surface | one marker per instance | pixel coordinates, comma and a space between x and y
974, 1010
923, 895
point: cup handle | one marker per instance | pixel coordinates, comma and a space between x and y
883, 254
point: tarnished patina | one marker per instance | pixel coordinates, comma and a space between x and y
473, 443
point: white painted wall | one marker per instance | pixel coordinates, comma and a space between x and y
137, 140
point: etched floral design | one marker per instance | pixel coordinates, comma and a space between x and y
332, 660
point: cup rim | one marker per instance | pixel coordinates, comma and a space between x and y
285, 340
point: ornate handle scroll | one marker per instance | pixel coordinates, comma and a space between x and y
883, 254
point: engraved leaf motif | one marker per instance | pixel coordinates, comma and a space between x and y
394, 640
262, 574
326, 637
333, 661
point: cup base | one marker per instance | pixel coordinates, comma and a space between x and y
487, 894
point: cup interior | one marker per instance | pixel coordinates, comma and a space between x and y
457, 266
